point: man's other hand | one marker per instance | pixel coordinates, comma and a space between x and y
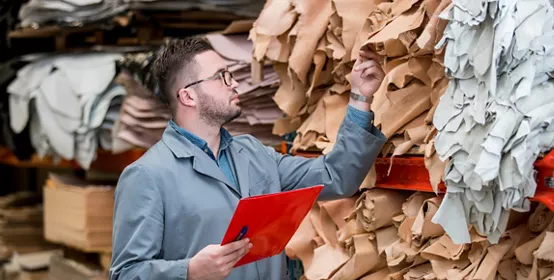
216, 262
366, 77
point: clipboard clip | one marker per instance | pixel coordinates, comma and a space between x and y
242, 233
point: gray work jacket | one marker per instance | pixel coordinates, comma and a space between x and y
175, 200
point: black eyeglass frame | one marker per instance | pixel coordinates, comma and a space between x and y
220, 74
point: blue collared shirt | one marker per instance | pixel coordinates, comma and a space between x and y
360, 118
222, 159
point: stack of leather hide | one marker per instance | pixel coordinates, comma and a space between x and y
36, 13
241, 8
259, 110
313, 45
65, 99
386, 234
497, 114
143, 116
310, 43
74, 13
404, 35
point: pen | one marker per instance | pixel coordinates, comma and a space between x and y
242, 233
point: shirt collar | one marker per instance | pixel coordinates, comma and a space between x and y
226, 137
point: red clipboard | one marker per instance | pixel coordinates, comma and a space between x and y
271, 219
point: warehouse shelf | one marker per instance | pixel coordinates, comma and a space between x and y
105, 160
410, 173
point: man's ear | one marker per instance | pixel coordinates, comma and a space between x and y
187, 97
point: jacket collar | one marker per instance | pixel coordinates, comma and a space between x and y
182, 142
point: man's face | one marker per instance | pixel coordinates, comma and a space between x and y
217, 102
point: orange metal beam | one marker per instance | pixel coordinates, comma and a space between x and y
410, 173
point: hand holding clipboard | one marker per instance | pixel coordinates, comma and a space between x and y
269, 221
217, 262
261, 227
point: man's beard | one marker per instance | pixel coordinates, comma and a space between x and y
216, 113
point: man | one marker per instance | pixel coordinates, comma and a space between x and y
173, 205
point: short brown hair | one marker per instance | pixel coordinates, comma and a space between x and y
177, 54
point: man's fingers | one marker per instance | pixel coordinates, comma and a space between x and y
236, 255
374, 72
232, 247
232, 257
367, 64
367, 54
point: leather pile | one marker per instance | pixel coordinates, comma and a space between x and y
71, 13
75, 104
314, 44
64, 99
36, 13
481, 138
143, 116
404, 34
386, 234
311, 54
242, 8
497, 114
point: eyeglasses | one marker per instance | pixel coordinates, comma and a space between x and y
225, 75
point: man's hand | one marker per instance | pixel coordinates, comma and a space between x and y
216, 262
366, 78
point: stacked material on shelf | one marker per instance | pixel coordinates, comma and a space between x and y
65, 99
79, 213
21, 224
404, 34
72, 13
36, 13
310, 43
314, 44
497, 114
243, 8
143, 117
259, 110
387, 234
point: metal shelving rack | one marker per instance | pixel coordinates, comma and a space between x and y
409, 173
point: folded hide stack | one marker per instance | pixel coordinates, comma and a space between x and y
71, 13
385, 234
143, 117
82, 12
403, 34
71, 94
259, 110
243, 8
497, 114
310, 43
